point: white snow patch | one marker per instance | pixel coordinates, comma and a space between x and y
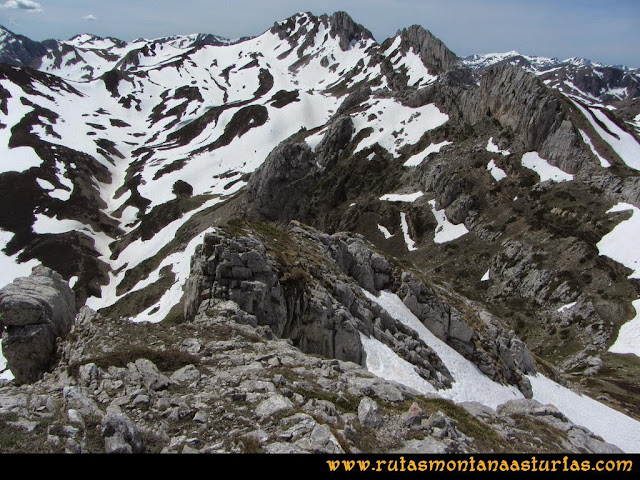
486, 277
44, 184
621, 244
418, 158
493, 148
567, 306
385, 363
613, 426
397, 197
603, 161
628, 340
446, 231
496, 172
544, 169
470, 384
314, 140
385, 232
411, 245
18, 159
72, 281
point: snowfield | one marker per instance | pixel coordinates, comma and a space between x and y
613, 426
493, 148
628, 340
621, 244
10, 269
418, 158
471, 385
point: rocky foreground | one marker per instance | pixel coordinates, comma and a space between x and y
226, 376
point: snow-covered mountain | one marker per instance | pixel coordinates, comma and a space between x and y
159, 179
590, 81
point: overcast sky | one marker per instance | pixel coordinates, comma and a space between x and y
603, 30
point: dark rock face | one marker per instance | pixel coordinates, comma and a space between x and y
36, 310
240, 270
434, 54
273, 186
275, 191
347, 30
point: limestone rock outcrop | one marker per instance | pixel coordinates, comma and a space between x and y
36, 311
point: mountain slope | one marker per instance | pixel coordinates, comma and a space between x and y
500, 192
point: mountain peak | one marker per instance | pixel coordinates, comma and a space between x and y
432, 51
17, 49
341, 25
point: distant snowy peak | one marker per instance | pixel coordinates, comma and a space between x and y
193, 40
580, 77
17, 49
90, 41
531, 63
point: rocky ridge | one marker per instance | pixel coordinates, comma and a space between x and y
222, 383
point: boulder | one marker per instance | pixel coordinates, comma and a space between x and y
35, 312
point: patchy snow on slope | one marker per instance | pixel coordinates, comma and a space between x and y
387, 234
486, 276
603, 161
181, 267
493, 148
385, 363
624, 144
395, 125
613, 426
411, 245
446, 231
628, 340
418, 74
470, 384
567, 307
418, 158
137, 252
544, 169
398, 197
621, 244
44, 225
16, 159
496, 172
